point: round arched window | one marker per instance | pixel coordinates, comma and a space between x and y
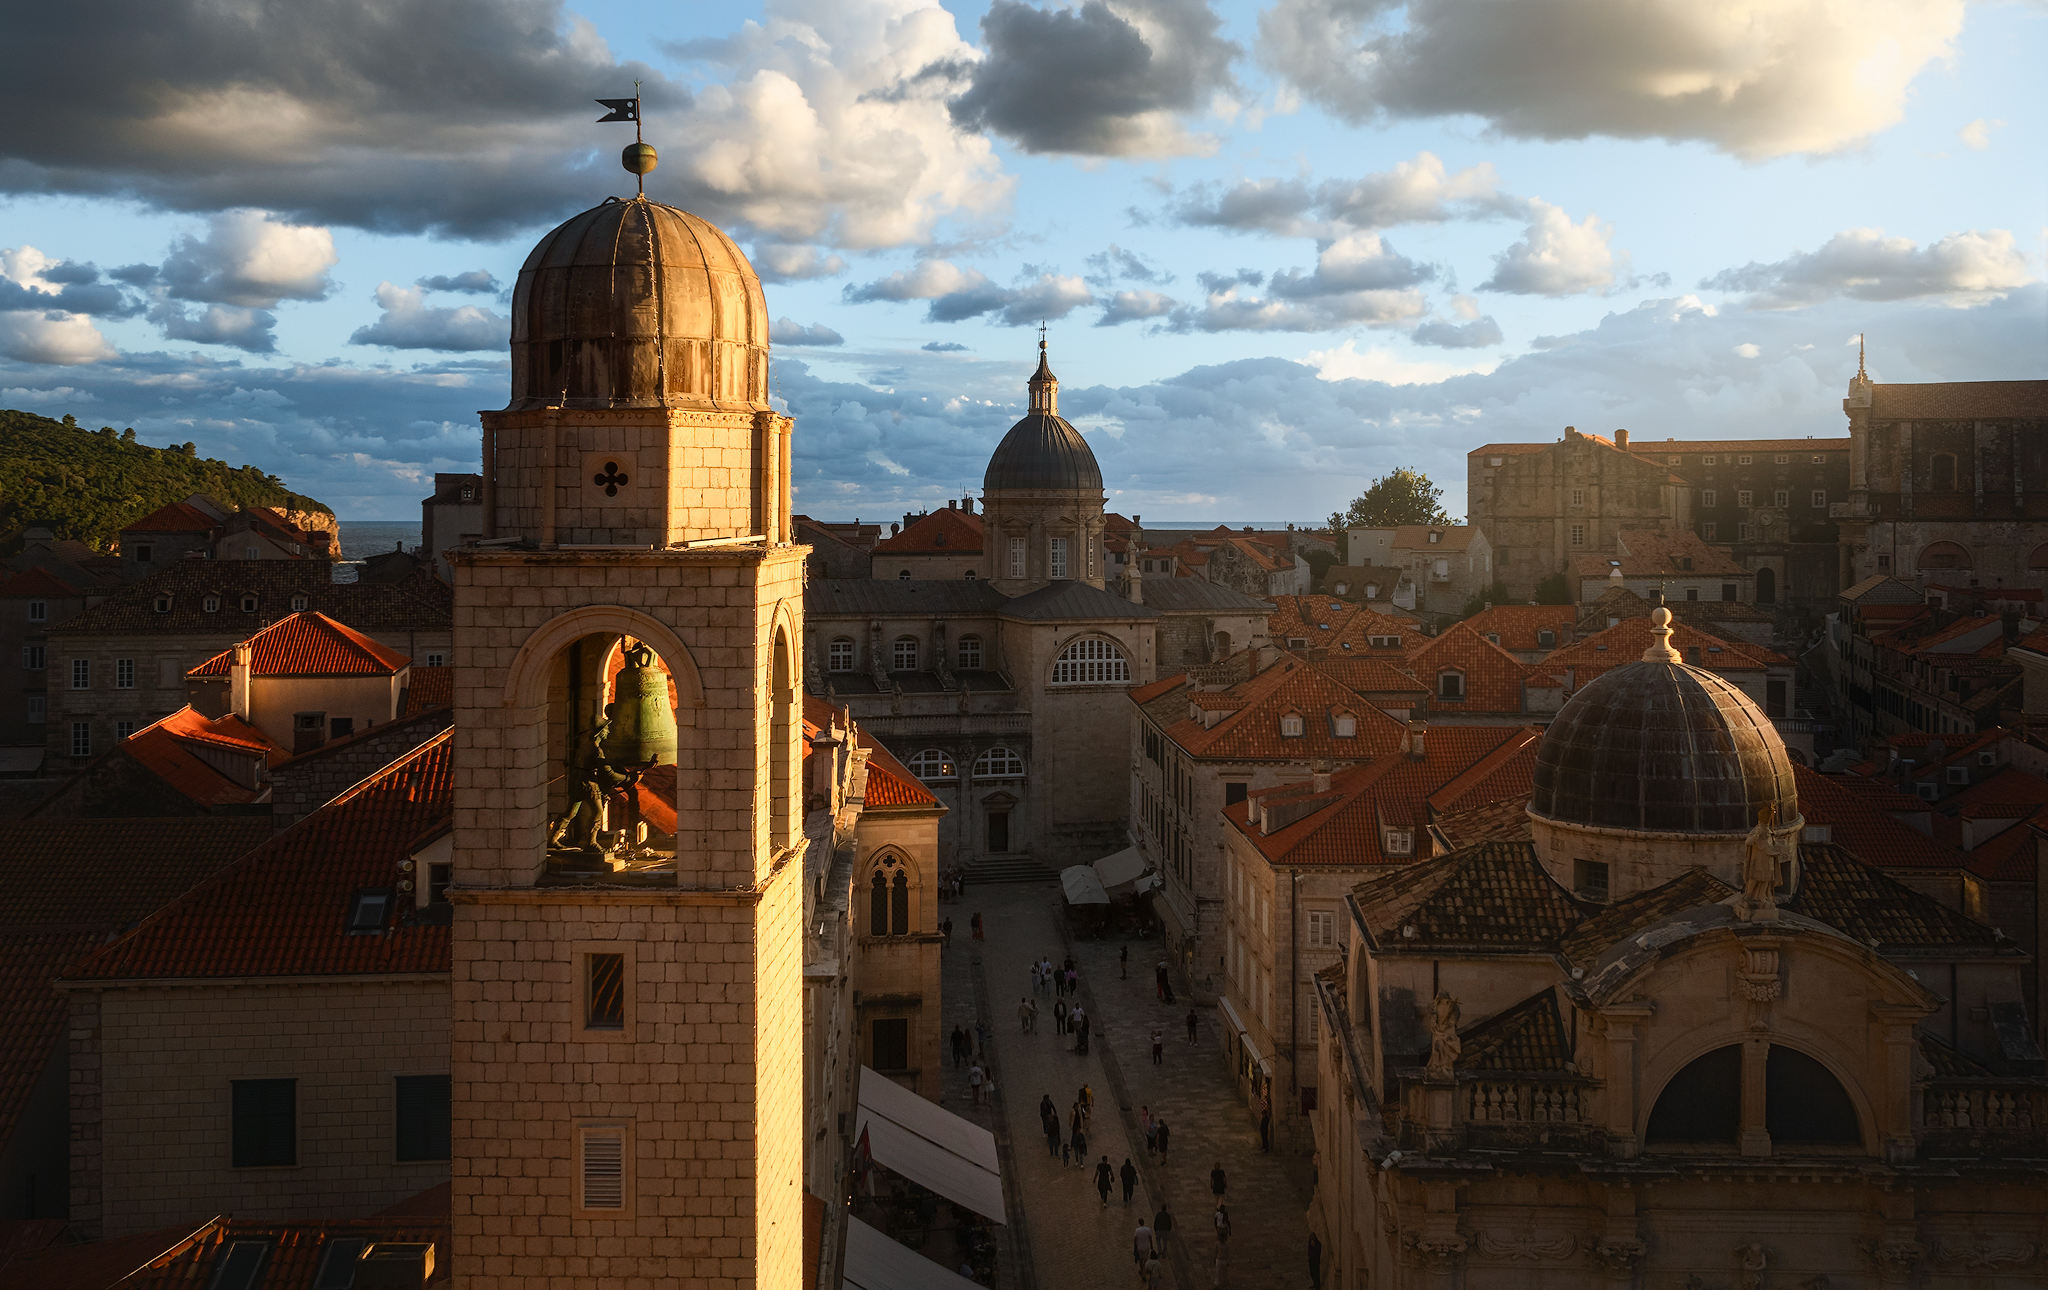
999, 763
933, 763
903, 658
1091, 661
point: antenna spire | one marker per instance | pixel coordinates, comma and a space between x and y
1860, 374
639, 157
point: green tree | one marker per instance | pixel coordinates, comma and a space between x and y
1402, 496
1497, 594
1553, 589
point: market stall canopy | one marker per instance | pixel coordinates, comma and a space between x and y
1123, 873
874, 1262
930, 1145
1084, 886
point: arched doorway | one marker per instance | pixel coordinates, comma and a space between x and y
1767, 586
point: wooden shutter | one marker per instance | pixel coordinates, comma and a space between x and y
604, 1169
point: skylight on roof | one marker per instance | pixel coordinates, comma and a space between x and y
241, 1268
368, 912
338, 1263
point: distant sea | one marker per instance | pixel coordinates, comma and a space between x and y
361, 538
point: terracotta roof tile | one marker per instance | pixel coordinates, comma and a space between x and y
1518, 625
1959, 400
1144, 694
175, 517
1492, 676
1668, 447
1450, 537
38, 582
1303, 618
890, 782
1493, 896
1855, 897
1366, 675
181, 1262
1504, 821
946, 531
1529, 1036
429, 687
309, 644
1506, 772
1860, 822
1594, 655
421, 602
171, 749
280, 910
1253, 731
1589, 942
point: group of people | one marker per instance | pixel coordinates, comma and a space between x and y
1070, 1146
1055, 981
1148, 1244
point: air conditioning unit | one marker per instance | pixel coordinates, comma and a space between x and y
1928, 792
1959, 774
1987, 758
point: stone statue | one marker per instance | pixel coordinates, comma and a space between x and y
1753, 1257
593, 780
1761, 852
1443, 1036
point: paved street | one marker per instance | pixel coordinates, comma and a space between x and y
1063, 1237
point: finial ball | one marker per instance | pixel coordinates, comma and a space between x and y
1660, 617
639, 158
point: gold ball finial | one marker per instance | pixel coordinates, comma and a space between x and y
639, 158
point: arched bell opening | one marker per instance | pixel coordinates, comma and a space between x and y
785, 822
613, 749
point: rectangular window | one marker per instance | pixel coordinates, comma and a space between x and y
604, 1005
839, 655
1059, 558
1706, 461
1578, 497
34, 658
1234, 793
1710, 530
1884, 562
421, 1114
892, 1043
38, 709
81, 673
604, 1169
1578, 535
1321, 928
266, 1122
1819, 457
122, 729
1782, 498
1782, 459
124, 673
1727, 591
1745, 531
39, 611
1743, 496
368, 911
1820, 497
437, 660
1016, 557
1707, 499
438, 878
242, 1266
81, 739
1589, 878
1743, 460
338, 1263
142, 554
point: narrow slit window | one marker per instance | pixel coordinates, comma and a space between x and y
605, 1008
899, 906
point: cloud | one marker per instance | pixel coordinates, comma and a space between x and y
408, 323
476, 282
925, 280
1117, 264
944, 347
254, 330
1418, 191
1358, 280
30, 280
1103, 80
1864, 264
250, 259
1755, 78
1356, 262
1977, 134
473, 118
1477, 334
788, 332
34, 326
1132, 306
781, 262
1046, 297
1557, 257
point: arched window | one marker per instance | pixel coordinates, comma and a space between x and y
839, 655
998, 763
1944, 472
1944, 555
1804, 1104
1291, 726
2039, 559
1450, 685
1702, 1105
970, 653
1346, 726
933, 763
904, 575
1091, 661
904, 657
899, 906
970, 575
878, 906
1222, 645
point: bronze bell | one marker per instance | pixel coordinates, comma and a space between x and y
643, 731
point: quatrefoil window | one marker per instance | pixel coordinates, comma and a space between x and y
611, 479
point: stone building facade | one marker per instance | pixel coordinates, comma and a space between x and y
1541, 504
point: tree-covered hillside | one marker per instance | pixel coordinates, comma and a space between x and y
86, 484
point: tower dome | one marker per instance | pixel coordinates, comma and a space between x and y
1658, 746
1043, 453
633, 304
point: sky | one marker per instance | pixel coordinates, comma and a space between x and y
1280, 248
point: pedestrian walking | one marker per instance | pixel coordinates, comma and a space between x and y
1158, 1046
1222, 1269
1085, 1099
1194, 1019
1154, 1272
1162, 1227
1219, 1186
1026, 1010
1151, 1132
1105, 1179
1129, 1176
946, 932
1059, 1016
1123, 961
1222, 1223
1315, 1262
1141, 1244
959, 1047
1073, 980
1159, 980
1080, 1147
977, 926
1065, 1160
1163, 1139
974, 1082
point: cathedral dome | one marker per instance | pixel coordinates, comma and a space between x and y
633, 304
1043, 452
1660, 746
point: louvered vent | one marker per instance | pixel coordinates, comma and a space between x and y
604, 1171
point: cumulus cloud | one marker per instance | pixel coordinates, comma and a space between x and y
1134, 306
1977, 135
1755, 78
781, 262
250, 259
37, 325
944, 347
1110, 79
925, 280
1557, 257
786, 331
30, 280
409, 322
475, 282
1421, 190
473, 118
1119, 265
1041, 298
1477, 334
1358, 280
1864, 264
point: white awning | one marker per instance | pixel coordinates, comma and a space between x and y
1083, 886
930, 1145
21, 761
874, 1262
1244, 1037
1119, 868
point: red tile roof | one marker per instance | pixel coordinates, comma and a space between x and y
1862, 824
280, 910
1144, 694
38, 582
1366, 675
943, 532
429, 687
177, 517
181, 1258
890, 782
171, 749
1493, 677
1305, 618
1450, 537
1958, 400
1517, 625
1625, 642
1506, 772
1252, 732
309, 643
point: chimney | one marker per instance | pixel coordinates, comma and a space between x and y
967, 504
1621, 439
1415, 741
1319, 779
238, 680
1137, 521
1571, 432
952, 505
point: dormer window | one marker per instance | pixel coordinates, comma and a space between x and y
1346, 726
210, 604
1450, 685
249, 602
468, 493
1546, 639
1297, 642
1384, 642
298, 604
162, 605
1493, 637
368, 911
1400, 842
1435, 537
1291, 726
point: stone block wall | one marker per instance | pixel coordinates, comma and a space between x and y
304, 784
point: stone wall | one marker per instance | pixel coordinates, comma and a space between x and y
306, 783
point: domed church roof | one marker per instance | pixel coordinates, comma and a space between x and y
634, 304
1043, 453
1661, 746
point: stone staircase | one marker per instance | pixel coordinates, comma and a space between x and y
1008, 868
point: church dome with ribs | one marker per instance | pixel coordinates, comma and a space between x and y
1043, 452
633, 304
1661, 746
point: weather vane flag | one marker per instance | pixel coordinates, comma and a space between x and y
639, 157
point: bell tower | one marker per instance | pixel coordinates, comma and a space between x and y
626, 1067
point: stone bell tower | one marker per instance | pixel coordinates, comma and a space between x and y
626, 1073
